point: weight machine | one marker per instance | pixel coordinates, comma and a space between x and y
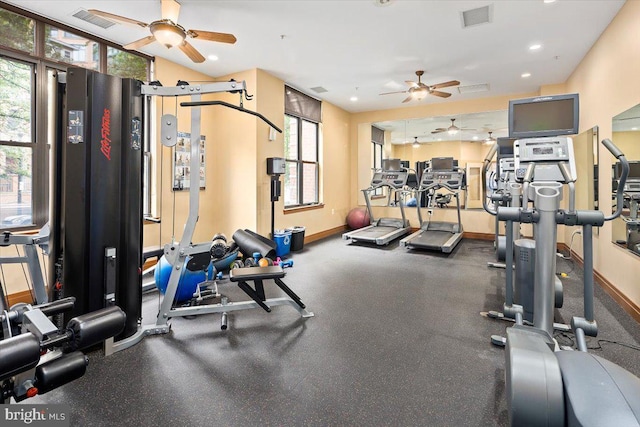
185, 254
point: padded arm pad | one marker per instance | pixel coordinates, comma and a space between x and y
60, 371
91, 328
18, 354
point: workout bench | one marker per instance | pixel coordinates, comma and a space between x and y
257, 275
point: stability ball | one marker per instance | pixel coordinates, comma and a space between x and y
358, 218
187, 284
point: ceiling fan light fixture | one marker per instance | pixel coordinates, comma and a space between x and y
168, 34
419, 94
452, 131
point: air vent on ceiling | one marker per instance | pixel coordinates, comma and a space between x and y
484, 87
481, 15
93, 19
319, 89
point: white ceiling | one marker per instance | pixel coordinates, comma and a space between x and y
360, 48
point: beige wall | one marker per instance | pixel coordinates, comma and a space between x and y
237, 193
225, 203
607, 81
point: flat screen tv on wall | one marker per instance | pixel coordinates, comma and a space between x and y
542, 116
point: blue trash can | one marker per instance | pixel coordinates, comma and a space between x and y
283, 242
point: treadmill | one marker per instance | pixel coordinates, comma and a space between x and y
383, 230
438, 235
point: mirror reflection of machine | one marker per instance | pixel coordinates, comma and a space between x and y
631, 199
507, 192
438, 235
384, 230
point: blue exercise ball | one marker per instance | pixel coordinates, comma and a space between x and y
412, 202
187, 284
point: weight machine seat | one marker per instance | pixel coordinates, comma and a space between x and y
256, 273
598, 392
533, 379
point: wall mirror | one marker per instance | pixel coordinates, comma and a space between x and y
626, 135
465, 137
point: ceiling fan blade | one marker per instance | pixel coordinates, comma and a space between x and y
412, 84
438, 130
139, 43
191, 52
409, 98
117, 18
440, 94
212, 37
389, 93
170, 10
445, 84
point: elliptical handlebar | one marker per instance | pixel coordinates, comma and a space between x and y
485, 166
617, 153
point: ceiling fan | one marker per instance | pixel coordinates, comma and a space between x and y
489, 139
418, 90
168, 32
452, 130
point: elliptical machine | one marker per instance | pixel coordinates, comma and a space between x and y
511, 192
544, 385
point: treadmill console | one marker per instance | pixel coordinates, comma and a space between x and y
451, 179
545, 154
393, 179
632, 187
507, 164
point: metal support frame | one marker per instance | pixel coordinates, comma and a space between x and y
176, 253
30, 258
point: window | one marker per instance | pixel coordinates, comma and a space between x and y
70, 48
301, 155
126, 65
18, 32
28, 105
17, 97
301, 152
377, 142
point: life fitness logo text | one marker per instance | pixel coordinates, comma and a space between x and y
105, 142
33, 414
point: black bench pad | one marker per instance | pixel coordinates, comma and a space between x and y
256, 273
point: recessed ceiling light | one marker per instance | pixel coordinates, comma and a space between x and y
549, 1
525, 75
535, 46
475, 137
634, 128
353, 98
212, 58
439, 139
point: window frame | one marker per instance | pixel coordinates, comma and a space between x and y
40, 149
300, 165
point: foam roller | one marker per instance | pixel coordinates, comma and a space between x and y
60, 371
249, 242
92, 328
18, 354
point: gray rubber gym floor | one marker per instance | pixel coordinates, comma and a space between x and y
397, 340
